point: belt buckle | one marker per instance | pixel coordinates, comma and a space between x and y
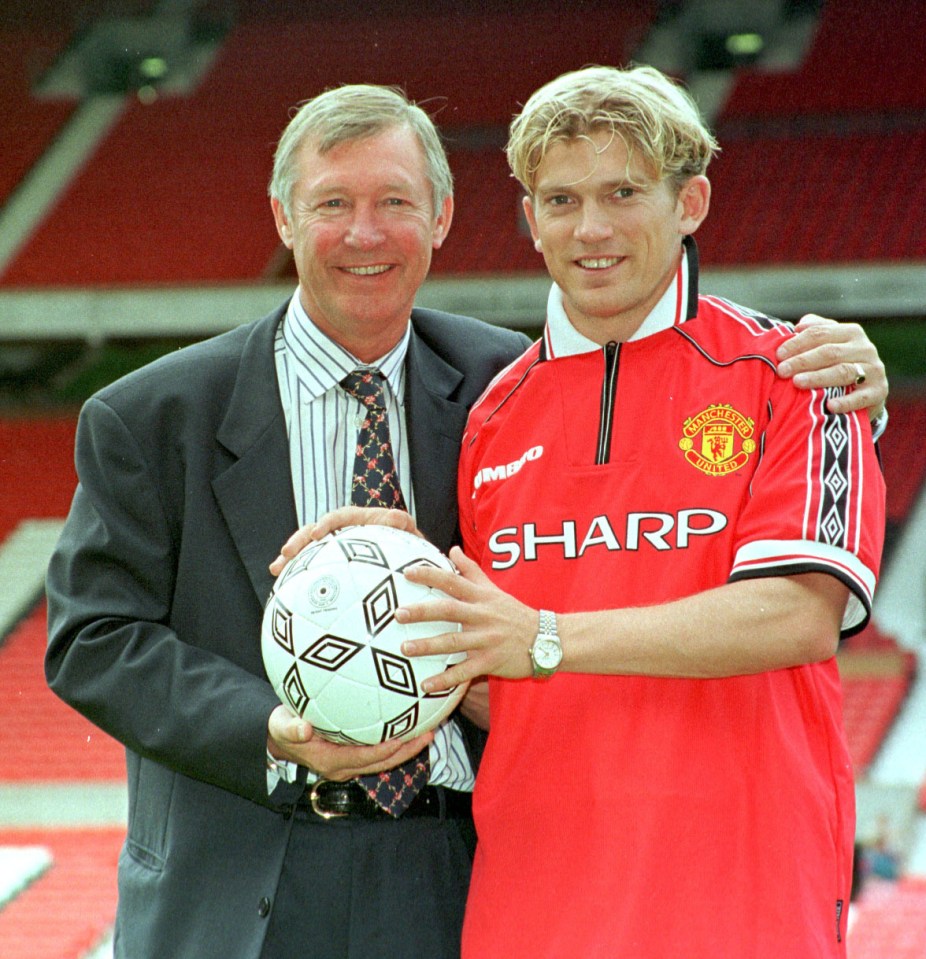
315, 799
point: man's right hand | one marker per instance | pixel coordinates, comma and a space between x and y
337, 519
294, 739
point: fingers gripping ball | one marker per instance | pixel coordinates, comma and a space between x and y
331, 645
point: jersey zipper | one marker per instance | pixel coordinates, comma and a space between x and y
612, 355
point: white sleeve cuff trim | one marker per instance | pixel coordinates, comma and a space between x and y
778, 557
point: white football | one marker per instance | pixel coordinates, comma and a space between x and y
331, 645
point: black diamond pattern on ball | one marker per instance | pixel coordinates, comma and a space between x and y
337, 736
395, 673
402, 723
281, 627
294, 690
379, 606
363, 551
331, 652
421, 561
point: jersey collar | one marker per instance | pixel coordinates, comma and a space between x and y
677, 304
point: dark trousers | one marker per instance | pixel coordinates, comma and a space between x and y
354, 888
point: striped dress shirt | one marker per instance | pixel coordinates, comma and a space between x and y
322, 422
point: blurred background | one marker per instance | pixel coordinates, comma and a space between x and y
137, 140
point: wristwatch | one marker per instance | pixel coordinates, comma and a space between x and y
547, 651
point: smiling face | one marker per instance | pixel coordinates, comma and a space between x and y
362, 229
610, 233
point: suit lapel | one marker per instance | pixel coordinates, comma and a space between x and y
435, 427
255, 493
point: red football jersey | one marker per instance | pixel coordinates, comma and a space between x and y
634, 817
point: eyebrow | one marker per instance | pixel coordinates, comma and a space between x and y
336, 186
607, 187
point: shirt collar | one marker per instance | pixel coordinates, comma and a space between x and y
321, 364
675, 306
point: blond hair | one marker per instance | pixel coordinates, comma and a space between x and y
647, 110
354, 112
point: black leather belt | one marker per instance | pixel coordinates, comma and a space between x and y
334, 800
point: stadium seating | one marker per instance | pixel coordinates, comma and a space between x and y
818, 162
876, 676
36, 468
815, 198
77, 751
904, 453
27, 124
68, 909
64, 910
863, 60
870, 705
177, 192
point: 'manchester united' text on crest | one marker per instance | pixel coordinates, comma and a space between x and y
719, 440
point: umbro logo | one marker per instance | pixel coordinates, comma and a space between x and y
490, 474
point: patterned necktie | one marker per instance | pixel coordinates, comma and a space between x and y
376, 483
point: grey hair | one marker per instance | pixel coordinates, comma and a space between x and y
354, 112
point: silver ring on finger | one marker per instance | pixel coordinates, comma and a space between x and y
859, 374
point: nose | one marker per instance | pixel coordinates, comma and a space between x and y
364, 231
593, 225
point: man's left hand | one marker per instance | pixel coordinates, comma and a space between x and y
498, 631
824, 353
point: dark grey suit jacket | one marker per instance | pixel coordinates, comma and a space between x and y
156, 591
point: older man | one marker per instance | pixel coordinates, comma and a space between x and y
191, 471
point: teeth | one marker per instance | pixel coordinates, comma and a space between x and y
599, 263
366, 270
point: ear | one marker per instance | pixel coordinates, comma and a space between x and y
695, 200
442, 224
282, 222
528, 205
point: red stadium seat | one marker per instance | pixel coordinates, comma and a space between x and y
77, 751
904, 453
66, 911
27, 125
37, 473
864, 58
809, 198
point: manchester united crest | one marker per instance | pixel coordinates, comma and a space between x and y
719, 440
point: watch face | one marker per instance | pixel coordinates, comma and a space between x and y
547, 653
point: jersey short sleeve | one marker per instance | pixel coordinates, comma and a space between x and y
816, 500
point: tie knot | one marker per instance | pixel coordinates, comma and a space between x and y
366, 386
